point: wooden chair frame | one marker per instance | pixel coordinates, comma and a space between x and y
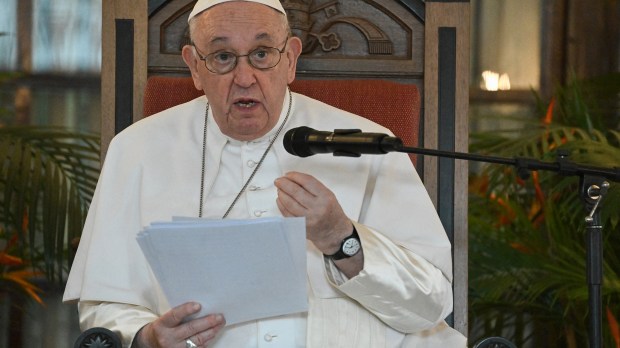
444, 85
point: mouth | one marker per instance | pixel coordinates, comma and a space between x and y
245, 103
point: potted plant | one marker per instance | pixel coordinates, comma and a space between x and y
527, 236
47, 179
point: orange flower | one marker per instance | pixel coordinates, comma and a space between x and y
540, 196
549, 115
479, 184
613, 327
536, 209
520, 247
20, 277
508, 216
9, 260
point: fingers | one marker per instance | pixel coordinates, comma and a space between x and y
298, 193
303, 195
173, 327
200, 330
282, 206
291, 200
205, 329
176, 315
304, 181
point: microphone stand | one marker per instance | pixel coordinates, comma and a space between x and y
593, 188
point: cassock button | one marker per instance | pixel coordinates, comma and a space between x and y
251, 163
259, 213
269, 337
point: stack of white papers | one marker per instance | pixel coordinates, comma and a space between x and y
245, 269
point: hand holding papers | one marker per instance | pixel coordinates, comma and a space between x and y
245, 269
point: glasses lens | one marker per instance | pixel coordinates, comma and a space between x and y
220, 62
264, 57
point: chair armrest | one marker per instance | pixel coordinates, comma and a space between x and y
98, 337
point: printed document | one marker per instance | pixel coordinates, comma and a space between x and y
244, 269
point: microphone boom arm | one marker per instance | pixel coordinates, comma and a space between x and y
523, 164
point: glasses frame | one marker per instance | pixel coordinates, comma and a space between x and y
204, 57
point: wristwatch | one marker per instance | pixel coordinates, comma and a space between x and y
349, 247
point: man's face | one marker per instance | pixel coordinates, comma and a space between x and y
246, 102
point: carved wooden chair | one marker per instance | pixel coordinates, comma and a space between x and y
424, 44
413, 42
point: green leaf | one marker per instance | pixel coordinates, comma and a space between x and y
47, 178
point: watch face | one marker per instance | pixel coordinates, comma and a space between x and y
351, 246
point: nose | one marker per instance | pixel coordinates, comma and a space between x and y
244, 73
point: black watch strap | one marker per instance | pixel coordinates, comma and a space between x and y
350, 246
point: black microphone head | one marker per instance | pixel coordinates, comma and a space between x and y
295, 141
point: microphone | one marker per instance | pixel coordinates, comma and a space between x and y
305, 141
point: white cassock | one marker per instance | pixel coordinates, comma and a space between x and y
153, 171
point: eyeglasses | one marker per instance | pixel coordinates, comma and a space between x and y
261, 58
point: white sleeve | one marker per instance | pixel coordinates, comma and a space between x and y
398, 286
123, 319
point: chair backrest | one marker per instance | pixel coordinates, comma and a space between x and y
393, 105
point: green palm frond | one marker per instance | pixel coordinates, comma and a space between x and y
527, 236
47, 179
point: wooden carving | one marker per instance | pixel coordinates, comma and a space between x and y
354, 38
318, 33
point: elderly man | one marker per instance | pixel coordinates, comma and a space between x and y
379, 265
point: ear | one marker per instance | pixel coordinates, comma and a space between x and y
293, 52
190, 59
